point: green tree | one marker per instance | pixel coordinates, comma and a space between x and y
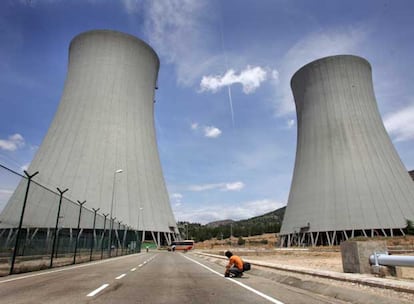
410, 227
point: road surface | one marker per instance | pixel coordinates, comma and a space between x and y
154, 277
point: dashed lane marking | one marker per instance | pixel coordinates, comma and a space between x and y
67, 268
120, 276
93, 293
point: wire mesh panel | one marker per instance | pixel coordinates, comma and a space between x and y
9, 180
40, 228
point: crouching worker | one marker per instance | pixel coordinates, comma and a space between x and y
235, 266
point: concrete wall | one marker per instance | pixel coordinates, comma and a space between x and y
355, 255
105, 122
347, 173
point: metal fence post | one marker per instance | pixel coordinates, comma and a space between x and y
56, 226
124, 239
93, 231
16, 245
117, 237
103, 235
111, 223
77, 236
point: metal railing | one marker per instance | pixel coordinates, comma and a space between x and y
384, 259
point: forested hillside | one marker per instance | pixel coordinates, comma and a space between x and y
266, 223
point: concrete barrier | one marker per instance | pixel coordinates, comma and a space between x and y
356, 254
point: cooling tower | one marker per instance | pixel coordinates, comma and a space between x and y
104, 124
348, 179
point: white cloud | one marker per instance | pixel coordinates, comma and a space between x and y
212, 132
235, 186
236, 211
275, 75
5, 195
176, 196
13, 143
314, 46
250, 78
400, 125
132, 6
290, 123
208, 131
34, 3
179, 32
197, 188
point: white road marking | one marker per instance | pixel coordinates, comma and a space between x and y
97, 290
147, 261
273, 300
120, 276
133, 269
66, 268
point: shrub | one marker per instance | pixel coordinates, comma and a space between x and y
410, 227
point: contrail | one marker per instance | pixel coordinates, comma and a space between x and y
231, 104
227, 68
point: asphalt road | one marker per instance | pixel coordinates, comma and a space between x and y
154, 277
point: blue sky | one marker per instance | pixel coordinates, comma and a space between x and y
225, 116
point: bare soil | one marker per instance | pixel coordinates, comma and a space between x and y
262, 248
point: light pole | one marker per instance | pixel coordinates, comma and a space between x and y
112, 209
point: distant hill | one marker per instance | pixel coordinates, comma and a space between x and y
276, 215
273, 216
219, 223
266, 223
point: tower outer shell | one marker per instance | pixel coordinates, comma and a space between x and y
347, 174
105, 122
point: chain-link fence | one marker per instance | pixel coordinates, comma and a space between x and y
40, 228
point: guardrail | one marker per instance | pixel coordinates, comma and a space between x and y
384, 259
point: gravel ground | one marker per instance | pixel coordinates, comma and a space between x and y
332, 261
329, 261
313, 260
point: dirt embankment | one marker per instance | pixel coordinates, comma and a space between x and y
263, 248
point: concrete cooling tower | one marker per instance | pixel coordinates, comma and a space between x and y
102, 142
348, 179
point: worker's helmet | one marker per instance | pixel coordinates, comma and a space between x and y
228, 254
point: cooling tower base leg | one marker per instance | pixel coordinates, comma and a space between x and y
334, 238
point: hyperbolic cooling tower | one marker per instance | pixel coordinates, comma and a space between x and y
348, 179
105, 122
